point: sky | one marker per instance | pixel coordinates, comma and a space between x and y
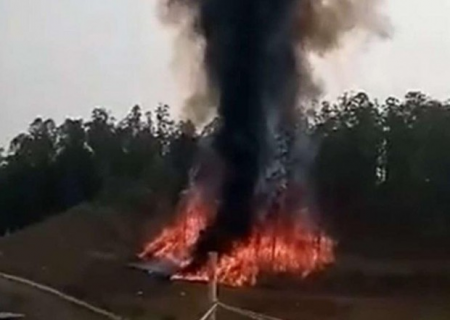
62, 58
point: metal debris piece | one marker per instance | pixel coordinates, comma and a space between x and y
9, 315
158, 268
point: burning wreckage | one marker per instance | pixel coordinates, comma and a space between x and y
280, 243
283, 239
252, 201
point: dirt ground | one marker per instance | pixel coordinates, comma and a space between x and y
36, 305
84, 253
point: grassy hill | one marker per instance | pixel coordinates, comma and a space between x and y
84, 252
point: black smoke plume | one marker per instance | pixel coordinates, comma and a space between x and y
256, 66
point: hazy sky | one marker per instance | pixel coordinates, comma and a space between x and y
61, 58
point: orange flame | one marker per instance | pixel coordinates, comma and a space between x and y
280, 243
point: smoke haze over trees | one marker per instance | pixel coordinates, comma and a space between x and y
383, 168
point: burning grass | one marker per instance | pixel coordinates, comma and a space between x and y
279, 244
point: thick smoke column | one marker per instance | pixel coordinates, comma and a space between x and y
255, 60
252, 62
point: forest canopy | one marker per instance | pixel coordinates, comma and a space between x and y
380, 166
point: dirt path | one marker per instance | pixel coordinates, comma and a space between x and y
37, 305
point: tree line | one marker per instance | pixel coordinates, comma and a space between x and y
51, 168
381, 168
